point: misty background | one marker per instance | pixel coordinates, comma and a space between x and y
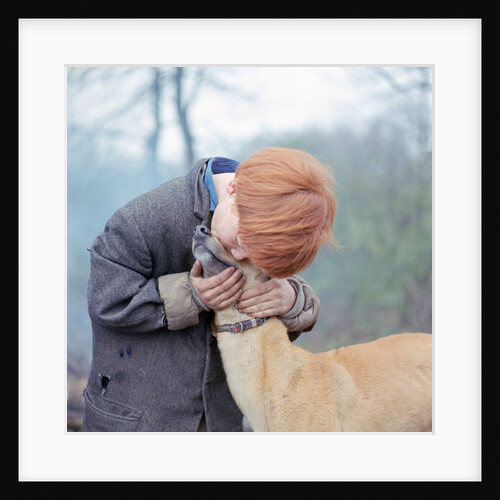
132, 128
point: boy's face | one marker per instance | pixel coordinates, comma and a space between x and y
225, 224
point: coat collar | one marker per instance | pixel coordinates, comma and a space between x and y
201, 194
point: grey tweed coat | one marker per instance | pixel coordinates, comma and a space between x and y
155, 364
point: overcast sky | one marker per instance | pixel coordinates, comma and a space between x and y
279, 99
248, 101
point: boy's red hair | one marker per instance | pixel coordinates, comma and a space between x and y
286, 209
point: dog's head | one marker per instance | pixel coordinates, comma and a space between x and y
208, 250
214, 258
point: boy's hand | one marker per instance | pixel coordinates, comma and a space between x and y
271, 298
219, 291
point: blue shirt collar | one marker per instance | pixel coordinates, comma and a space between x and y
217, 165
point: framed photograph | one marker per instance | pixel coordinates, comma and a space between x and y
394, 104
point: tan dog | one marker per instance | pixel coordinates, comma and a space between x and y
380, 386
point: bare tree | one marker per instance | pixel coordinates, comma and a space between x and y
184, 101
189, 82
106, 104
156, 89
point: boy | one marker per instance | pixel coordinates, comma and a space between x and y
156, 365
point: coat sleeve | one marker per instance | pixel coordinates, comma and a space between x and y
181, 308
302, 317
122, 294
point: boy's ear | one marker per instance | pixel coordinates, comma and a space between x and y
231, 187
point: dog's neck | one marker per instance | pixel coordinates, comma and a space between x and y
247, 355
253, 276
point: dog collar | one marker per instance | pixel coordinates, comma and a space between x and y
241, 325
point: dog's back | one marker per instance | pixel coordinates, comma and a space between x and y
387, 383
379, 386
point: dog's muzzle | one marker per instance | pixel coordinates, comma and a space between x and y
209, 251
